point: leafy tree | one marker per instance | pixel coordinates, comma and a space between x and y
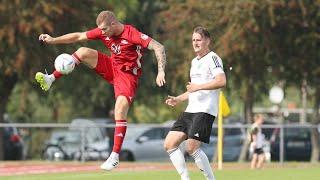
239, 37
296, 40
263, 41
21, 53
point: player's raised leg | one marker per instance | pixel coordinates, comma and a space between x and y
86, 55
121, 111
171, 145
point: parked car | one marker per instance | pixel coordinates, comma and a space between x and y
66, 144
143, 143
106, 131
297, 144
13, 143
62, 145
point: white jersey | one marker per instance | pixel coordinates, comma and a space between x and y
202, 71
255, 129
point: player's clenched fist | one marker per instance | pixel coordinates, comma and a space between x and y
45, 38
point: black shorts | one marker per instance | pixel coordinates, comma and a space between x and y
258, 151
195, 125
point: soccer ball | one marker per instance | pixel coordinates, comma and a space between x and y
64, 63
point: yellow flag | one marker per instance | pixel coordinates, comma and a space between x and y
224, 105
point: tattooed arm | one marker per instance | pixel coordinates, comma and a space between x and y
161, 58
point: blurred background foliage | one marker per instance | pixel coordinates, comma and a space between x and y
268, 42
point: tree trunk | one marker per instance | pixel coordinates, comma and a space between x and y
248, 118
304, 93
2, 110
248, 106
315, 145
5, 91
314, 133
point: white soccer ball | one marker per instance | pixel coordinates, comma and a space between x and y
64, 63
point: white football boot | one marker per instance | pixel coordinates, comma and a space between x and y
44, 80
111, 162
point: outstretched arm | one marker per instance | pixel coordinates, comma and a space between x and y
64, 39
218, 82
161, 58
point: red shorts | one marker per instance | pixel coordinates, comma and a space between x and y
125, 83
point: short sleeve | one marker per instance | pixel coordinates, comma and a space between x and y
254, 130
94, 33
139, 38
215, 65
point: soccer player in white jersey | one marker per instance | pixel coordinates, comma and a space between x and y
195, 123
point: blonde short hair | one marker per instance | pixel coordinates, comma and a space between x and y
258, 116
105, 16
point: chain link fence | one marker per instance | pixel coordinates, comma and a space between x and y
82, 142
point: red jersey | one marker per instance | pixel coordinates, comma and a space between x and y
126, 49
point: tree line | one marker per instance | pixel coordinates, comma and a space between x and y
265, 43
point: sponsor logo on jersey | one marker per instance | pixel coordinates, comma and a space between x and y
144, 37
196, 134
115, 48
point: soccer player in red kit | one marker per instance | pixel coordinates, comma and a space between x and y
122, 68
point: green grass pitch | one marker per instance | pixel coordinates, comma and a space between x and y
300, 173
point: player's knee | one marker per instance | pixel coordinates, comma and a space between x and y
120, 113
82, 52
167, 146
191, 149
122, 107
85, 53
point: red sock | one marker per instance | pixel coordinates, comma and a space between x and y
57, 74
76, 58
119, 133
